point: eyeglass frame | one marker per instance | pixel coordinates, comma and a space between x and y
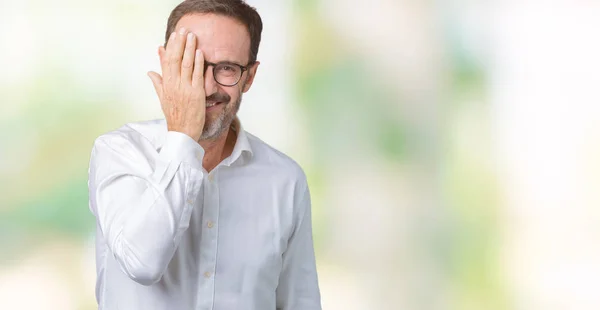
214, 65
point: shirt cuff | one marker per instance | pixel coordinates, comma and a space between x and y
182, 148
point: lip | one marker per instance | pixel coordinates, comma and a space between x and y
214, 106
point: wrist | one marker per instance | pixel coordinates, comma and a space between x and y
192, 133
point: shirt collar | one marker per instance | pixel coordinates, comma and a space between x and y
242, 145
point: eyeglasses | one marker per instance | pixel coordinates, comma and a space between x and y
226, 73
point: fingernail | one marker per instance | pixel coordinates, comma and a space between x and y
182, 31
190, 36
173, 35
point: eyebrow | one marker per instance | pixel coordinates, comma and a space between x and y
227, 62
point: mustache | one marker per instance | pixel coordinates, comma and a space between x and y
218, 97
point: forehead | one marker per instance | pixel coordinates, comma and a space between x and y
219, 37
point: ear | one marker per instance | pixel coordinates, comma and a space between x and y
251, 75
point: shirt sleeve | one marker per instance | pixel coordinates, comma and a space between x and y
143, 201
298, 287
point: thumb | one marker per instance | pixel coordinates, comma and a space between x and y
157, 82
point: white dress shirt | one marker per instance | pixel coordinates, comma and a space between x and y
170, 235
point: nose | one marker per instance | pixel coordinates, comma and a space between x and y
210, 85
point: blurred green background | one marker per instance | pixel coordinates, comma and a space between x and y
452, 147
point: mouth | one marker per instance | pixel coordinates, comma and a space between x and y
212, 105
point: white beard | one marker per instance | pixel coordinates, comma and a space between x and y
217, 126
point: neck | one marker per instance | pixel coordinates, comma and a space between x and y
216, 150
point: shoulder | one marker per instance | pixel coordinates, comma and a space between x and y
275, 161
133, 138
284, 173
145, 132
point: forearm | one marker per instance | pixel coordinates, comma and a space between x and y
298, 282
142, 215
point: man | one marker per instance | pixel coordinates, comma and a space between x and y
193, 212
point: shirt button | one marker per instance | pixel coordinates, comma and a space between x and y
198, 155
210, 177
189, 201
207, 274
210, 224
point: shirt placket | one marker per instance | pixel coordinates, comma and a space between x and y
208, 243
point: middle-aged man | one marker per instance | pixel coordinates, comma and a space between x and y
193, 212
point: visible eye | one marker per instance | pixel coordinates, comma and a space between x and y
228, 68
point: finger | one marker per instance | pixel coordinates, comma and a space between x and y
175, 54
187, 64
198, 75
164, 58
157, 82
161, 52
163, 63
